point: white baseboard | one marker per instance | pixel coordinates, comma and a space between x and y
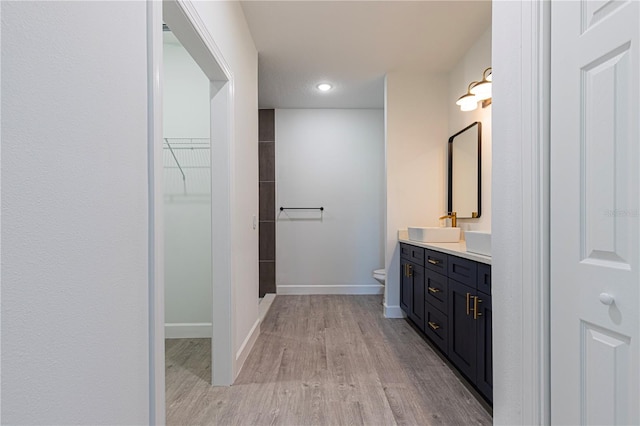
330, 289
393, 312
265, 305
188, 330
247, 345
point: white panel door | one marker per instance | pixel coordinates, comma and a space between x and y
595, 191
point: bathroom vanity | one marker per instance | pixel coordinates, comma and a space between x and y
446, 292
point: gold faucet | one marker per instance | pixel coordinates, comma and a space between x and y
453, 217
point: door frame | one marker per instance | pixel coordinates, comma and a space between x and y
521, 45
520, 223
188, 27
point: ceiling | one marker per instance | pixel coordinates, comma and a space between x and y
352, 44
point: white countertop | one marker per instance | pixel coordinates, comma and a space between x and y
456, 249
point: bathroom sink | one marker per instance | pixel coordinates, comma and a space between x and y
478, 242
434, 234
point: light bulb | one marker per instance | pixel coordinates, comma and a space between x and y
467, 102
482, 90
469, 106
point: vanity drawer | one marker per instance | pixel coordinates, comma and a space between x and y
435, 261
435, 326
484, 278
412, 253
436, 290
463, 270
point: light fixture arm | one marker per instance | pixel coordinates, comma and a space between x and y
477, 91
484, 74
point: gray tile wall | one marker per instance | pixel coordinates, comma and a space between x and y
267, 201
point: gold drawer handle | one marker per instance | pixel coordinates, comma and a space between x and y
476, 314
433, 290
468, 307
433, 325
407, 270
433, 261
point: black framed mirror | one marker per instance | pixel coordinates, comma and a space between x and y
465, 172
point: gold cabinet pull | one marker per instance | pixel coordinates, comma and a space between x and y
405, 269
409, 268
476, 314
433, 325
468, 297
433, 261
433, 290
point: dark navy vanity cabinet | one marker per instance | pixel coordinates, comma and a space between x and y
449, 299
412, 289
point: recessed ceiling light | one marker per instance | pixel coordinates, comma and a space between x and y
323, 87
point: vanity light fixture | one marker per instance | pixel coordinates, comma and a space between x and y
323, 87
482, 89
478, 91
468, 101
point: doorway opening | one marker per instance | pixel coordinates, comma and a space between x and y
186, 207
199, 189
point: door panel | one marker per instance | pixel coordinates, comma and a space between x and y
606, 373
595, 10
417, 298
462, 328
595, 210
484, 373
604, 164
406, 288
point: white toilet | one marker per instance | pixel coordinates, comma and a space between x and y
380, 275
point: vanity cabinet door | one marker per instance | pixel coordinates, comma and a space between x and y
462, 329
406, 287
412, 291
484, 373
416, 273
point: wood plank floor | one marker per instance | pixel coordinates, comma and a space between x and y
322, 360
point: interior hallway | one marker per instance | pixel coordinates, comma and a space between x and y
325, 360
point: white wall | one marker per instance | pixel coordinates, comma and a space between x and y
416, 107
75, 313
332, 158
226, 23
468, 69
187, 218
188, 288
75, 328
185, 93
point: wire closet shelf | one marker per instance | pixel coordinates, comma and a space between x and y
187, 167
